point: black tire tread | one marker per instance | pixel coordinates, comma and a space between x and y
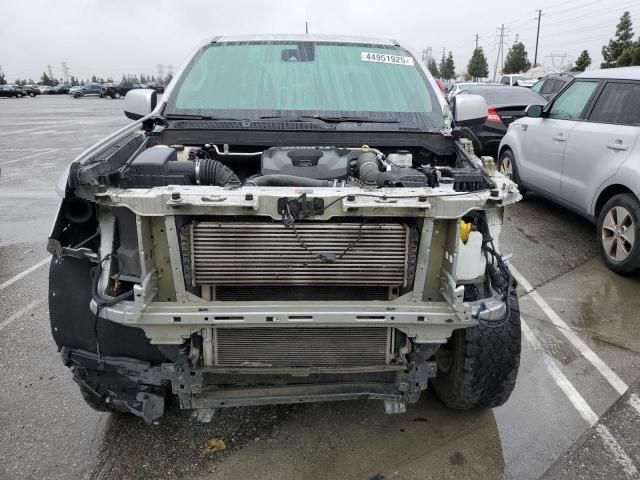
632, 265
514, 166
485, 365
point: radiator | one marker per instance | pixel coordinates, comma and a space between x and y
301, 346
270, 254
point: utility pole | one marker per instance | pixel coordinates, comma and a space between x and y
477, 37
306, 27
65, 72
500, 54
427, 53
535, 57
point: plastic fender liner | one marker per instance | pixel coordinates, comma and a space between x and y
72, 323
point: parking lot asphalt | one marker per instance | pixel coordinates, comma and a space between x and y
581, 349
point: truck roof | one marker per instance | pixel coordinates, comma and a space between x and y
301, 37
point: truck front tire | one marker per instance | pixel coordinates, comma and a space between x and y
478, 366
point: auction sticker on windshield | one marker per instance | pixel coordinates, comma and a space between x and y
386, 58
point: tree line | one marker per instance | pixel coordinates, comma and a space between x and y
49, 81
621, 51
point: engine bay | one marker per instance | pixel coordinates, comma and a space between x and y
298, 166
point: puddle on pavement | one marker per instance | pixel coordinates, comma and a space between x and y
613, 312
553, 344
351, 440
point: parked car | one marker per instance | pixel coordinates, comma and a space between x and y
119, 90
43, 89
506, 104
59, 89
517, 80
457, 88
10, 91
549, 86
291, 234
582, 152
511, 80
31, 90
88, 90
17, 91
155, 86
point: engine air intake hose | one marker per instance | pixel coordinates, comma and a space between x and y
287, 181
368, 168
205, 171
212, 172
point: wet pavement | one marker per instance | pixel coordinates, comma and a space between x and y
592, 457
47, 431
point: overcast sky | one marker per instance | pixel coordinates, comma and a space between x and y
112, 37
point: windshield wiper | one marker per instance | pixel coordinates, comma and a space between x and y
170, 116
361, 119
329, 119
298, 118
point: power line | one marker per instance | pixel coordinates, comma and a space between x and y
573, 9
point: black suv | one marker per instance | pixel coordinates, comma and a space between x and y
59, 89
10, 91
31, 90
119, 90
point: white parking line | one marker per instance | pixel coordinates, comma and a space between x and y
13, 280
612, 377
617, 451
51, 150
582, 407
25, 130
20, 313
578, 401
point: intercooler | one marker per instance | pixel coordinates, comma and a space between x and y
255, 254
301, 346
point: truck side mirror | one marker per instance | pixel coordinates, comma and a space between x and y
469, 110
139, 103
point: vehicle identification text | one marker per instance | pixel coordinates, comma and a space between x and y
386, 58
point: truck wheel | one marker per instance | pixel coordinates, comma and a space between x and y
477, 367
619, 232
116, 95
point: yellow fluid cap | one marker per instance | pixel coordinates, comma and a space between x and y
465, 230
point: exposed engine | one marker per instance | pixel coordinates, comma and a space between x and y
298, 166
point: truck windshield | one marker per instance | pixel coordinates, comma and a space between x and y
250, 80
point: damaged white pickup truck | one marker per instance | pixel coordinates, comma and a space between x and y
297, 219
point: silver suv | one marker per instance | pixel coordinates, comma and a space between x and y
297, 220
582, 152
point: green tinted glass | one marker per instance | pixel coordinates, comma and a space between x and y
310, 78
571, 103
